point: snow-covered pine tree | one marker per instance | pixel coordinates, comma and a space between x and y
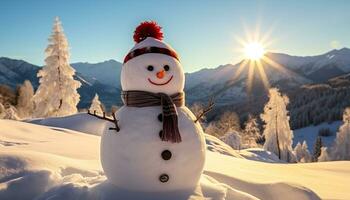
57, 93
324, 155
306, 153
10, 112
2, 111
25, 104
301, 152
341, 149
317, 149
251, 133
298, 152
96, 105
277, 132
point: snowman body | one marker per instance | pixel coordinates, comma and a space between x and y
135, 158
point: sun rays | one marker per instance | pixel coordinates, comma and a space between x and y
255, 48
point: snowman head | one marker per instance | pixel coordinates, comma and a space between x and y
152, 65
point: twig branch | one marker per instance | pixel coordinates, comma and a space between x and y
114, 120
205, 110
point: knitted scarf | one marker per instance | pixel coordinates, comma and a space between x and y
135, 98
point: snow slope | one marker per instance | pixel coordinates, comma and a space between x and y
84, 123
79, 122
39, 162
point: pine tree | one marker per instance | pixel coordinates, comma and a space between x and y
324, 155
25, 104
317, 149
302, 153
306, 153
2, 111
10, 112
298, 152
251, 133
96, 105
57, 94
342, 142
277, 131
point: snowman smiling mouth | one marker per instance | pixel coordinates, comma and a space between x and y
159, 84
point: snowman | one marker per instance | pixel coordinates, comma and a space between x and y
156, 143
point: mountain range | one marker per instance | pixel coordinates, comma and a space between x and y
222, 82
14, 72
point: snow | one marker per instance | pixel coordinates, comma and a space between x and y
46, 162
273, 181
259, 154
81, 122
310, 133
87, 124
216, 145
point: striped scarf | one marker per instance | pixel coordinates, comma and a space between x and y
134, 98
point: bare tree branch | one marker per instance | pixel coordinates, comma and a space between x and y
114, 120
205, 110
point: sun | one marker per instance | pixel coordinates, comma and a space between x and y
254, 51
254, 48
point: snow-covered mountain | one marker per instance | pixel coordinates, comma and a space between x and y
317, 68
107, 72
293, 71
13, 72
220, 82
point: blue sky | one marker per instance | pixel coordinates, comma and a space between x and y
202, 32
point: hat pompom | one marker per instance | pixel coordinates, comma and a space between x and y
148, 29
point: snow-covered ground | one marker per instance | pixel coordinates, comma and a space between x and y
310, 133
79, 122
40, 162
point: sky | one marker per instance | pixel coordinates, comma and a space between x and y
204, 33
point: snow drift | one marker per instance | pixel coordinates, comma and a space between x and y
39, 162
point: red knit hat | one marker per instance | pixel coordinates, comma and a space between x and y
148, 38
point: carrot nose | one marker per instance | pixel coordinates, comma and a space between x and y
161, 74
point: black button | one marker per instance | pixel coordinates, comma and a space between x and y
164, 178
160, 117
161, 134
166, 155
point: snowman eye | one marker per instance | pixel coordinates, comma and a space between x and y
166, 67
150, 68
